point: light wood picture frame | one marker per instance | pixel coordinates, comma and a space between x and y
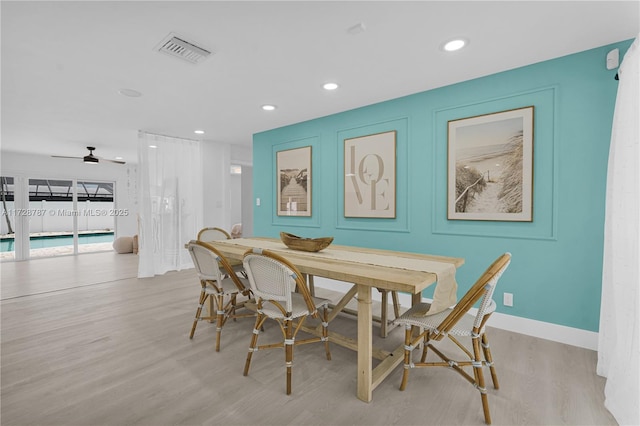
293, 182
370, 176
490, 166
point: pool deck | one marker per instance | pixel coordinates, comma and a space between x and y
60, 250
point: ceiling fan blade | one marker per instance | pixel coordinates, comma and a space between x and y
91, 158
65, 156
112, 161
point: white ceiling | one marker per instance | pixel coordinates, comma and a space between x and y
64, 62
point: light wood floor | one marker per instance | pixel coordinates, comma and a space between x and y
101, 347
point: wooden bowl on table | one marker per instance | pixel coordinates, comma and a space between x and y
305, 244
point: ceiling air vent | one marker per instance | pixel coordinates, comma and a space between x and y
177, 46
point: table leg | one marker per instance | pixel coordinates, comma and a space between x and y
383, 312
416, 298
364, 343
312, 286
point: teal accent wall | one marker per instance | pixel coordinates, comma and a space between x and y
555, 274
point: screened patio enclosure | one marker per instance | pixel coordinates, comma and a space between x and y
48, 217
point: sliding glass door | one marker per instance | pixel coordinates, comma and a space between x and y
7, 227
51, 217
96, 220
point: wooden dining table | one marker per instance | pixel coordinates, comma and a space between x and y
365, 268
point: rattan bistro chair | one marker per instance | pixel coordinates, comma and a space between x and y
213, 234
220, 284
454, 323
282, 294
218, 234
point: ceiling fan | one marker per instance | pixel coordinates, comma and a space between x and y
91, 159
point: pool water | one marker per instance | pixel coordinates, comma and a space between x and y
59, 240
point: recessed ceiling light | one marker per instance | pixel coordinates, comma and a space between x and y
199, 132
152, 146
453, 45
118, 158
330, 86
268, 107
130, 93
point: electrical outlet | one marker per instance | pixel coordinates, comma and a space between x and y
257, 201
507, 299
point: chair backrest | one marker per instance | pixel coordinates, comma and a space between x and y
482, 289
210, 264
273, 277
213, 234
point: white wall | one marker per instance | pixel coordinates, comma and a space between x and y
223, 192
247, 201
236, 199
216, 163
243, 156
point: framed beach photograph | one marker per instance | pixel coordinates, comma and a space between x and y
294, 182
490, 167
370, 176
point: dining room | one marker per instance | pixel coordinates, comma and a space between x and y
462, 157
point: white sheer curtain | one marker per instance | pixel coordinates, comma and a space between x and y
170, 202
618, 350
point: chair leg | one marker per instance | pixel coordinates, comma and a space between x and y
211, 308
288, 350
489, 359
202, 300
408, 331
234, 301
254, 342
425, 347
325, 332
479, 379
219, 319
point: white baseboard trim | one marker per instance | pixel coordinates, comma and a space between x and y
546, 330
543, 330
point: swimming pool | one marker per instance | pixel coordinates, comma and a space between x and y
46, 241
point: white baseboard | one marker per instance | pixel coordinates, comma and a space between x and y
543, 330
546, 330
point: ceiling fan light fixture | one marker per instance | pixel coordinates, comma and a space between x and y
90, 159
